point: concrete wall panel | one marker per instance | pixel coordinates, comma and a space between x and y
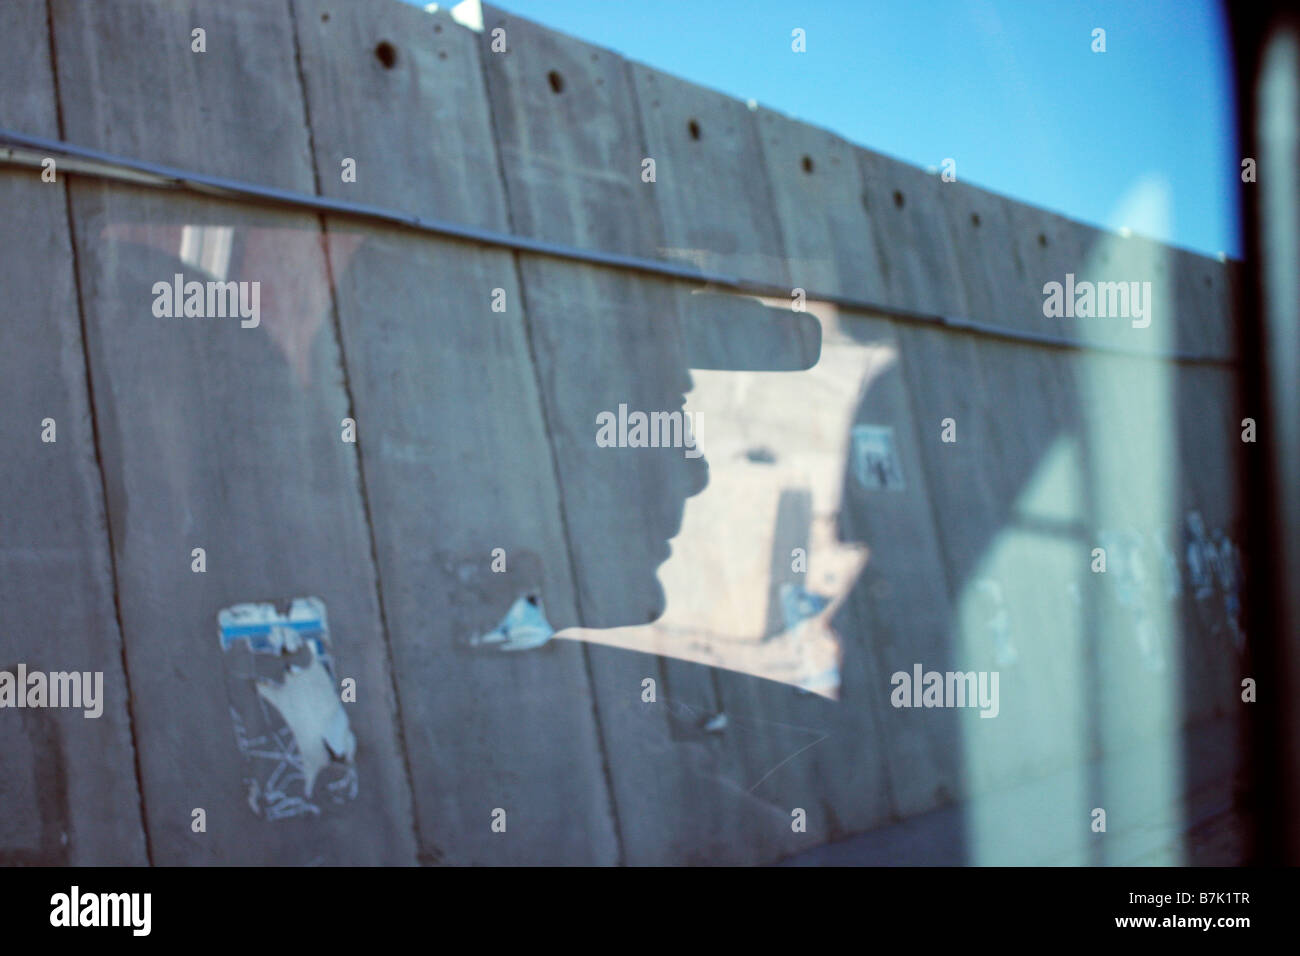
454, 446
817, 192
897, 614
920, 263
56, 578
711, 189
1006, 539
219, 436
571, 159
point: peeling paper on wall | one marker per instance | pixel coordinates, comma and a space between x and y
290, 724
799, 604
523, 628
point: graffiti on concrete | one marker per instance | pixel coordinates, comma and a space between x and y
1143, 570
1225, 562
994, 621
1130, 576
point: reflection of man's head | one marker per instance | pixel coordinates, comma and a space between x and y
630, 428
759, 567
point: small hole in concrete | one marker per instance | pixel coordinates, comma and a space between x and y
1208, 282
975, 219
556, 81
386, 53
898, 199
1042, 240
807, 164
694, 129
437, 28
324, 18
442, 54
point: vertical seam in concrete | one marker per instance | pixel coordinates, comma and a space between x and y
357, 457
1090, 622
606, 772
914, 413
766, 172
940, 540
573, 575
638, 119
544, 405
99, 456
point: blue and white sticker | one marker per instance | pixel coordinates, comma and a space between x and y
290, 724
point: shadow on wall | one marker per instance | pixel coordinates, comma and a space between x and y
880, 501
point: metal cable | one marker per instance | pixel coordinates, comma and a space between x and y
82, 160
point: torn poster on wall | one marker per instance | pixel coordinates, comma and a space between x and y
523, 628
298, 747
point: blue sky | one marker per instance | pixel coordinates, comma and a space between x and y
1139, 136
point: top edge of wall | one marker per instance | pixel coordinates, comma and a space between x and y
468, 12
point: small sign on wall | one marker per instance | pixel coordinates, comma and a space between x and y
875, 459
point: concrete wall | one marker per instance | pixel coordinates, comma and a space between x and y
69, 784
474, 376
